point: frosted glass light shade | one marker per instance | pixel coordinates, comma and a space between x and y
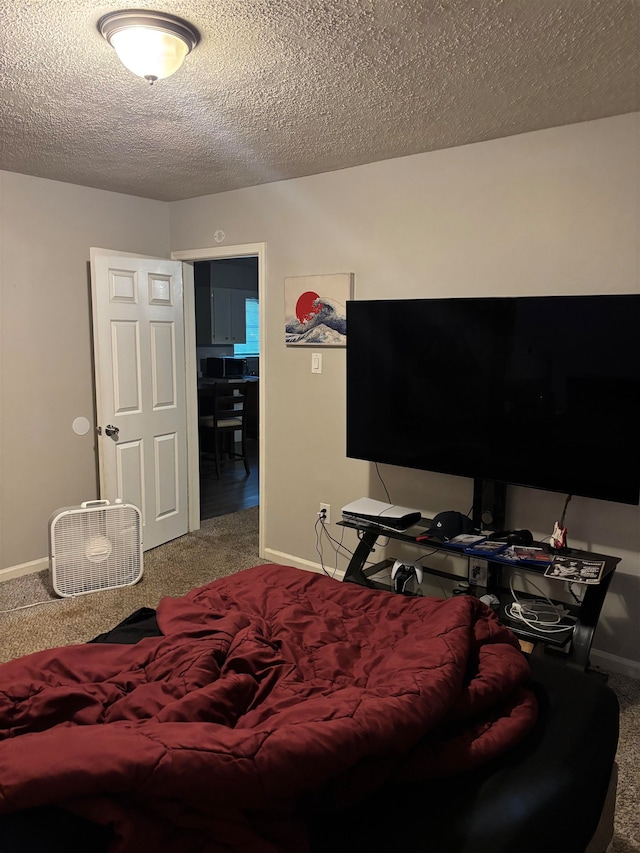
151, 44
149, 53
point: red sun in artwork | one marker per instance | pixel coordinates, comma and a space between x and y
305, 309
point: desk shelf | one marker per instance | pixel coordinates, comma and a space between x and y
575, 640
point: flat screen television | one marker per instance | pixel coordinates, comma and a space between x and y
536, 391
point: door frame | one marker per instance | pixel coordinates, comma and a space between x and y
216, 253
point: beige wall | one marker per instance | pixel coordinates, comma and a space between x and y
548, 212
46, 231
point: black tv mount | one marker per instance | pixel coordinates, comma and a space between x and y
489, 504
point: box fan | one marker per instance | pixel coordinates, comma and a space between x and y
94, 546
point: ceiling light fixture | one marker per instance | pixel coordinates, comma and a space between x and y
151, 44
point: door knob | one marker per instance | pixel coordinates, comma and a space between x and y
111, 430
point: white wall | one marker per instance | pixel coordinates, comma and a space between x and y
555, 211
47, 229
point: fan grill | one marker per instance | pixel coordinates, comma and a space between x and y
96, 548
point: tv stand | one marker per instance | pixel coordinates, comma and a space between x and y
574, 643
489, 504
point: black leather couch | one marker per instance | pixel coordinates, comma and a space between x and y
554, 791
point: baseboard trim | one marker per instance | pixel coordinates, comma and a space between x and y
24, 569
614, 663
289, 560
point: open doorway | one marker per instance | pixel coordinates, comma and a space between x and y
227, 353
189, 258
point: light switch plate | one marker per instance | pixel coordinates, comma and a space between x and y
316, 362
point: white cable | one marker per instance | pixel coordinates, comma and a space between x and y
530, 611
520, 617
35, 604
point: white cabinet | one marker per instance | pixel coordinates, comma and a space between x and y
221, 315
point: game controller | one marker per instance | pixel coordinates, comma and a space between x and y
409, 569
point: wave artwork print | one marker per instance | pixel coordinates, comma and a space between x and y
316, 309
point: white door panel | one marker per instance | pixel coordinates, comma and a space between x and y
140, 388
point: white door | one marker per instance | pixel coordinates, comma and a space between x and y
138, 339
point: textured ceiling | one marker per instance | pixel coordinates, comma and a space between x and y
278, 89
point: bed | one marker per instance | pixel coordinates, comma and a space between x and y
280, 710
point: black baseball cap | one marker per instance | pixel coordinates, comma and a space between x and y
448, 524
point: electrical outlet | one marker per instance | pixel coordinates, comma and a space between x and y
326, 509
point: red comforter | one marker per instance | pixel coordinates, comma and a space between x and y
272, 692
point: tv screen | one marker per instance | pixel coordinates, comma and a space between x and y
537, 391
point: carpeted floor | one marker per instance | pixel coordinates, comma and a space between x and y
223, 546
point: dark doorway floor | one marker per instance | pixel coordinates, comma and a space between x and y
234, 490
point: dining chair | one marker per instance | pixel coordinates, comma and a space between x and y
221, 421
